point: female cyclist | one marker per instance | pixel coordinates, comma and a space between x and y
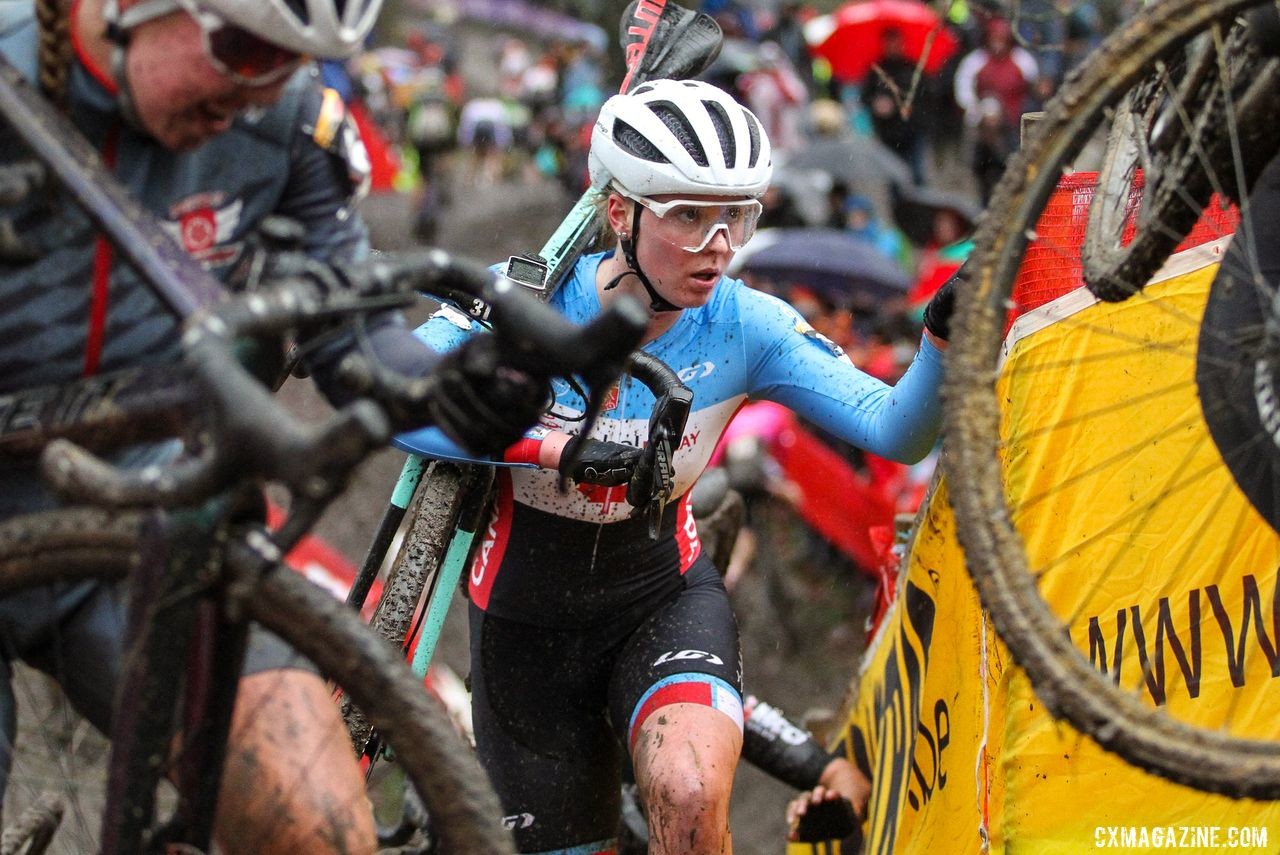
587, 636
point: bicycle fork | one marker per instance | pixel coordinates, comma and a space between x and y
448, 510
175, 628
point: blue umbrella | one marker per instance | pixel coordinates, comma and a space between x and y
835, 263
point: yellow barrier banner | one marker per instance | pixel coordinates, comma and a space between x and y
1162, 572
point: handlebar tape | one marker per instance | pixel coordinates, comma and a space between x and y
785, 750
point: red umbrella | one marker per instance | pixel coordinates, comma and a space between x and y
850, 37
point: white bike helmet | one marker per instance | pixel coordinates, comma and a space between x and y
324, 28
331, 29
679, 136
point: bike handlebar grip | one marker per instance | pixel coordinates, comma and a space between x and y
82, 476
428, 271
538, 339
653, 373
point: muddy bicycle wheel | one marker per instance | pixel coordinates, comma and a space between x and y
429, 528
1168, 151
1087, 491
66, 547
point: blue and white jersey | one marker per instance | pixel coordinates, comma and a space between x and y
742, 344
576, 558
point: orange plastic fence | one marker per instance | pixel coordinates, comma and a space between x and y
1051, 266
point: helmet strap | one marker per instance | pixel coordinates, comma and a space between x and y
657, 303
119, 26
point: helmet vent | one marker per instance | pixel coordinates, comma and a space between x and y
299, 9
753, 128
669, 114
724, 131
635, 143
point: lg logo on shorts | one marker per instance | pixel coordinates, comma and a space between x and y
688, 654
519, 820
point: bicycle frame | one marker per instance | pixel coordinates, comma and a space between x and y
448, 516
144, 721
662, 40
160, 608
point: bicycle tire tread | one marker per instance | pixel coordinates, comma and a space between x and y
317, 625
1069, 686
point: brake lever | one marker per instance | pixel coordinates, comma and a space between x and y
665, 475
666, 427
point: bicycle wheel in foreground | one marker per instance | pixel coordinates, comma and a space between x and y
1100, 501
73, 546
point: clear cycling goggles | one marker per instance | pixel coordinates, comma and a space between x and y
691, 223
246, 58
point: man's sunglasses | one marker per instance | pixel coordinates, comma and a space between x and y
244, 57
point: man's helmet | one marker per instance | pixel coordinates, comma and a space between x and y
680, 136
323, 28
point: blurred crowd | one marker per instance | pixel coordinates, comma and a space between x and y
890, 124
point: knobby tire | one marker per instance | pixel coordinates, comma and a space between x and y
1063, 677
1189, 163
432, 515
79, 545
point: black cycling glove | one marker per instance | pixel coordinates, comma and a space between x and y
834, 819
482, 404
937, 315
606, 464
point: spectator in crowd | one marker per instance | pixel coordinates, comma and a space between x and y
777, 95
788, 33
827, 119
581, 80
837, 200
992, 147
894, 106
1000, 70
780, 210
1081, 32
861, 221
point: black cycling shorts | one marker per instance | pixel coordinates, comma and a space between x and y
554, 707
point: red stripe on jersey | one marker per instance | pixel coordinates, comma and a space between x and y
102, 255
493, 544
687, 533
688, 692
526, 450
86, 59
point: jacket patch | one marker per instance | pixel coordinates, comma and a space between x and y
204, 224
